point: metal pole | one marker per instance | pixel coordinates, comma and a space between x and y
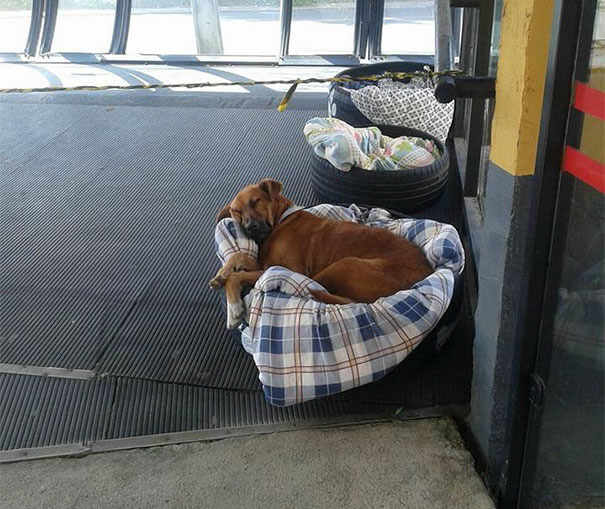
376, 19
456, 34
470, 20
48, 28
443, 35
477, 110
362, 14
120, 27
285, 23
207, 25
35, 26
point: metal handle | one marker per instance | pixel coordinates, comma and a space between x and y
456, 87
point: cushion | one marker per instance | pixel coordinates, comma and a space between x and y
366, 147
405, 104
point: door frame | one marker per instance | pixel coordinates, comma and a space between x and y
573, 22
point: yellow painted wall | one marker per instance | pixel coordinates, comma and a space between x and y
524, 45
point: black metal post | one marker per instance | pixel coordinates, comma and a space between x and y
467, 62
35, 26
121, 26
285, 21
481, 68
443, 34
466, 3
50, 21
362, 22
376, 18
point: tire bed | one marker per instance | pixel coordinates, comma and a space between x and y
402, 190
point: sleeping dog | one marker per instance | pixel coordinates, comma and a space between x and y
355, 263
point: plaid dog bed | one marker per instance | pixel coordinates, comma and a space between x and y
305, 349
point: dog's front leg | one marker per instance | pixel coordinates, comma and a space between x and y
236, 263
233, 288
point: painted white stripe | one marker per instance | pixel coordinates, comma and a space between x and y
17, 369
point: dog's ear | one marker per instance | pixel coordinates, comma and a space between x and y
225, 212
271, 187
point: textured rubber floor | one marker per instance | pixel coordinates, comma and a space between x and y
106, 219
37, 411
148, 408
109, 264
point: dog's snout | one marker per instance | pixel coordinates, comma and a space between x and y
256, 229
252, 225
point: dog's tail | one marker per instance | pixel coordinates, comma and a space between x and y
329, 298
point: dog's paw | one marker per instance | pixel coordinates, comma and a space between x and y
235, 314
221, 277
218, 281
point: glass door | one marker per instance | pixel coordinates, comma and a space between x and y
565, 445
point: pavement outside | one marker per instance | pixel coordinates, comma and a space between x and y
71, 74
413, 464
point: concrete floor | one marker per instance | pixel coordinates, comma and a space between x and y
401, 464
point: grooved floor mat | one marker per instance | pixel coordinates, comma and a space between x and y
38, 411
106, 224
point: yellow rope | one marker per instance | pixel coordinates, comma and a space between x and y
283, 104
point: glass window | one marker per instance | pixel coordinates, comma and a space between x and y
161, 26
216, 27
409, 27
84, 26
322, 27
14, 25
250, 27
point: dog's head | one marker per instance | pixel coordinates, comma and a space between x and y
257, 208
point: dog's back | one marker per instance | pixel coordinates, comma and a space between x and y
328, 250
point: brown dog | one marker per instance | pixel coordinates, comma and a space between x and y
356, 263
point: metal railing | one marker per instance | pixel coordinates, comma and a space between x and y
367, 34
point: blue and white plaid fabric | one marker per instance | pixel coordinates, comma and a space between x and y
305, 349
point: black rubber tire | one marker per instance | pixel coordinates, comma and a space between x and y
340, 104
403, 190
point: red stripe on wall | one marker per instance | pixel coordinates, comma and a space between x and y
586, 169
589, 100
